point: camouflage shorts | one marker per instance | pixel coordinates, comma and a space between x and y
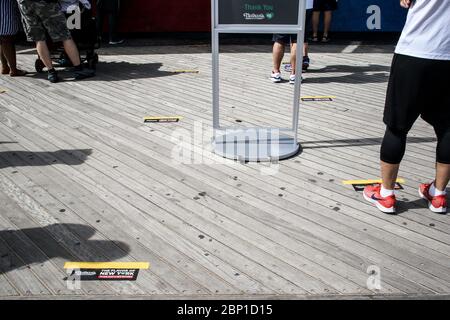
41, 18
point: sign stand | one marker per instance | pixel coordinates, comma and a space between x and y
256, 16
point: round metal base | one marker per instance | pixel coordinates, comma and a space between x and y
255, 145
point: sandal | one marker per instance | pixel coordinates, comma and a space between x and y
6, 70
325, 39
315, 39
17, 73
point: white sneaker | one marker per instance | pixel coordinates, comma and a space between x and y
276, 77
114, 42
292, 79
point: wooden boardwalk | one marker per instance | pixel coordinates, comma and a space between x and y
82, 178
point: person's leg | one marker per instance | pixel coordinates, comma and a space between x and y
306, 60
435, 193
278, 54
293, 57
72, 52
9, 54
113, 22
442, 176
44, 54
442, 159
100, 22
327, 23
315, 25
308, 28
5, 67
392, 151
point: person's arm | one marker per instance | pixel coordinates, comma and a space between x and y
406, 3
86, 4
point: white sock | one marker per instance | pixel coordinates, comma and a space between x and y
435, 192
386, 192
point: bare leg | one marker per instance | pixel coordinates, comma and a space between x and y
442, 176
327, 22
278, 54
315, 23
44, 54
389, 173
293, 57
9, 57
5, 68
72, 51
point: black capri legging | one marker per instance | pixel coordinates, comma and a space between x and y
394, 146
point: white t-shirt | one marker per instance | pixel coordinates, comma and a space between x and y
427, 31
309, 4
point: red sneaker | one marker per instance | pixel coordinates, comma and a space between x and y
372, 194
436, 204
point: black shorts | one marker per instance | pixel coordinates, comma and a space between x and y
325, 5
292, 38
418, 87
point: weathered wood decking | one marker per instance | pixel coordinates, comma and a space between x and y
82, 178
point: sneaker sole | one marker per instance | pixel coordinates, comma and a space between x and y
379, 206
276, 80
430, 204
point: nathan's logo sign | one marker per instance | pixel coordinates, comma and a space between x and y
277, 12
258, 11
253, 16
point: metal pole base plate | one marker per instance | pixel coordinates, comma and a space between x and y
255, 145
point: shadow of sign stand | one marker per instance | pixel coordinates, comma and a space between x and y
256, 16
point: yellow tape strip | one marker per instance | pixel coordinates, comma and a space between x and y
106, 265
185, 71
155, 119
319, 97
352, 182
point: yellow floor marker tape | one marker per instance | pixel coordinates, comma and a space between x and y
185, 71
359, 185
162, 119
117, 271
318, 98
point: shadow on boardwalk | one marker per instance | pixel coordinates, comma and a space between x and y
344, 143
31, 159
357, 74
67, 241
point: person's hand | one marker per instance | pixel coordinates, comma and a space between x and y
406, 3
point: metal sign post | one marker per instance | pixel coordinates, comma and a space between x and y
256, 16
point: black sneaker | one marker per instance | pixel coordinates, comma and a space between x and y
53, 76
306, 63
